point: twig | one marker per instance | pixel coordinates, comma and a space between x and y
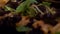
38, 9
50, 10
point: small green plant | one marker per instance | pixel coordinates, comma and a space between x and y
25, 9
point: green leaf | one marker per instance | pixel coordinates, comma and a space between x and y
22, 29
46, 3
9, 8
30, 2
24, 6
21, 7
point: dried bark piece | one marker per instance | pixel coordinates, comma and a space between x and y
3, 2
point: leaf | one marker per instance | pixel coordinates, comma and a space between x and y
24, 6
30, 2
9, 8
21, 7
22, 29
46, 3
